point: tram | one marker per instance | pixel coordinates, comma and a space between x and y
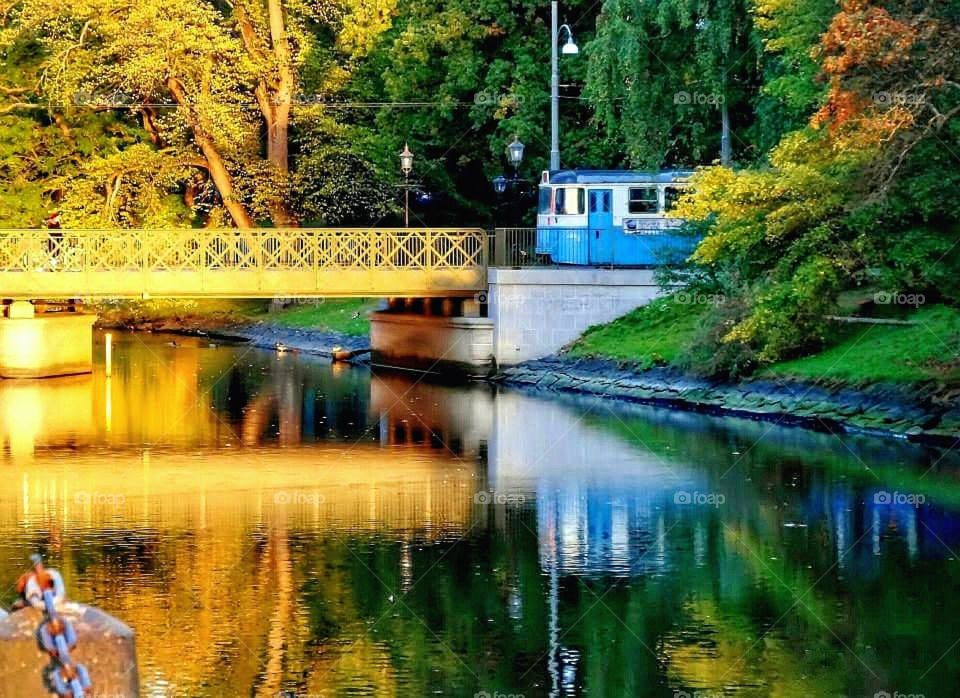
610, 217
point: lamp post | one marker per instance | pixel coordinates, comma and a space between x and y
569, 49
515, 155
406, 166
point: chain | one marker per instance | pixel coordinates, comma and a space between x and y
44, 588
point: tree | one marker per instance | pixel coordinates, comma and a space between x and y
860, 196
461, 79
666, 78
213, 85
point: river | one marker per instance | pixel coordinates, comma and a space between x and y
271, 525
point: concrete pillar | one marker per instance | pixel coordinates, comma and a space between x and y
40, 346
105, 646
20, 310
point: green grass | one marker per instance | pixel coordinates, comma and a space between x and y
928, 350
335, 315
651, 335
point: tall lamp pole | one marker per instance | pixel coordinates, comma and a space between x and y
569, 49
406, 166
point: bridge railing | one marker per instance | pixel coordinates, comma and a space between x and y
231, 262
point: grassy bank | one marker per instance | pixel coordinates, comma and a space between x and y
928, 349
343, 315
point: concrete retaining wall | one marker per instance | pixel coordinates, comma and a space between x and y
535, 312
431, 343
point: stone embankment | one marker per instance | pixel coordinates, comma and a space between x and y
926, 413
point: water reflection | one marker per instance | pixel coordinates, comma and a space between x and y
270, 524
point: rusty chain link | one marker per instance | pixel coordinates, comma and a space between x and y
44, 589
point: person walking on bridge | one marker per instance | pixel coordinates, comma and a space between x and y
55, 241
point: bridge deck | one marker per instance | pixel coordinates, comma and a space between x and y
242, 263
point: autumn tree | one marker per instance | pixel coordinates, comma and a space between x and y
861, 196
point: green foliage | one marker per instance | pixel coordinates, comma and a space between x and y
334, 182
791, 89
661, 73
483, 70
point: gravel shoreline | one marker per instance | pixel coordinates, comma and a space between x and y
927, 414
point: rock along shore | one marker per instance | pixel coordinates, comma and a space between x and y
925, 413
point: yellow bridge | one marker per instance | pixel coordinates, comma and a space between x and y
232, 263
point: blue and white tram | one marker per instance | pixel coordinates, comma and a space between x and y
610, 217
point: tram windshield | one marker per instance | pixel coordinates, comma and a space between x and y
544, 206
570, 201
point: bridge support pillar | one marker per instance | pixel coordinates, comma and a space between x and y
44, 345
425, 335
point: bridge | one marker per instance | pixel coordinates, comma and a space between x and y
448, 304
253, 263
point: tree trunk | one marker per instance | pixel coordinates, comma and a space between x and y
279, 125
278, 116
215, 163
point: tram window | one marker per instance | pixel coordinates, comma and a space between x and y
544, 206
644, 200
570, 202
670, 197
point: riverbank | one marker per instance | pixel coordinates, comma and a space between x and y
319, 329
928, 413
830, 398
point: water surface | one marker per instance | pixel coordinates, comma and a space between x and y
271, 525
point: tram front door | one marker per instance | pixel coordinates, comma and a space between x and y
600, 226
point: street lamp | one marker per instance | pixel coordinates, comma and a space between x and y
500, 184
569, 49
406, 166
515, 153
